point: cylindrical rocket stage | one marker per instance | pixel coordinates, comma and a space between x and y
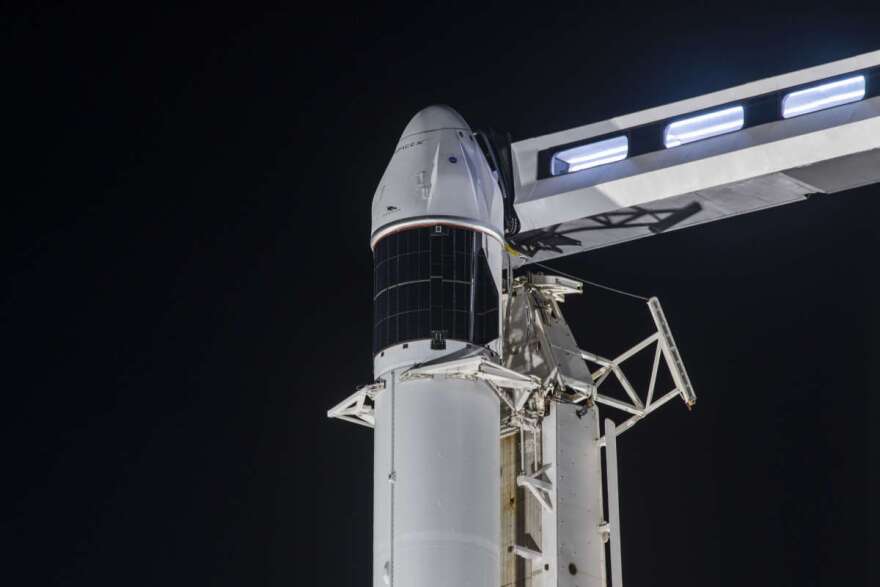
436, 484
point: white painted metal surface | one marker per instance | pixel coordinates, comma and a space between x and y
670, 352
437, 519
438, 175
761, 166
573, 547
680, 108
436, 484
613, 502
560, 418
358, 407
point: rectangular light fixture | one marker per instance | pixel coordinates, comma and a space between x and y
592, 155
703, 126
828, 95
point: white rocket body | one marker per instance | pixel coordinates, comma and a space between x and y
436, 471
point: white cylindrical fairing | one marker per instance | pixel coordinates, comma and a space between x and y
436, 518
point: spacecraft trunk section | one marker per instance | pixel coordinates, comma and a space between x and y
434, 283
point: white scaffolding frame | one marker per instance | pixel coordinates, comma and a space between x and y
358, 407
637, 408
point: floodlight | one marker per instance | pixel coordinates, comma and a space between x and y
825, 96
703, 126
592, 155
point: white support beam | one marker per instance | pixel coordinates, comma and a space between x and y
774, 162
655, 368
540, 488
670, 351
613, 502
570, 536
636, 349
475, 367
629, 423
627, 387
667, 349
358, 407
616, 403
526, 553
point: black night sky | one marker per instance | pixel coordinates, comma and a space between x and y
187, 287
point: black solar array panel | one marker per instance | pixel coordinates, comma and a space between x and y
433, 281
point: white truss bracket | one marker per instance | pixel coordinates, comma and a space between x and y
358, 407
538, 487
543, 341
636, 407
632, 421
555, 286
605, 532
670, 352
478, 368
583, 388
526, 553
519, 388
611, 493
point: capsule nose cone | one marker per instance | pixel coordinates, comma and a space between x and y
435, 117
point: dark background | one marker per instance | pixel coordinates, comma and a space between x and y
187, 278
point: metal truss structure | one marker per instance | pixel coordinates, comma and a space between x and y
567, 380
776, 158
358, 407
559, 436
550, 400
459, 350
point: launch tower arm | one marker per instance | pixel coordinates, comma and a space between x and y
747, 148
